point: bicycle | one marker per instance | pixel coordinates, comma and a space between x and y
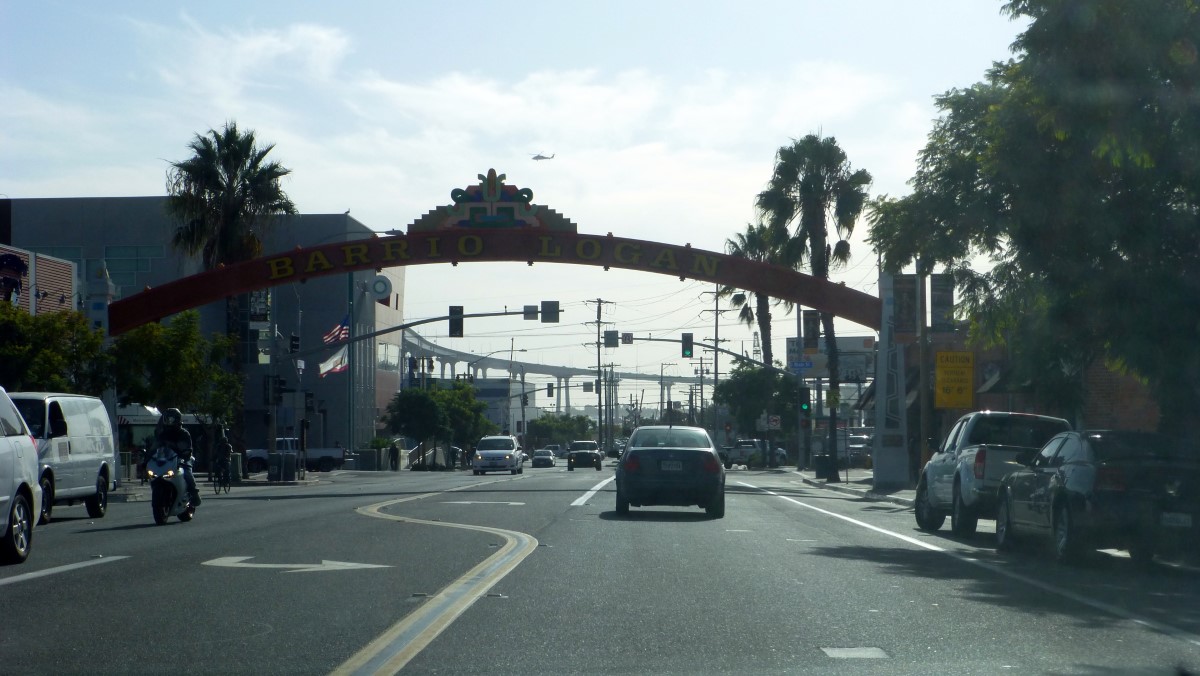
220, 479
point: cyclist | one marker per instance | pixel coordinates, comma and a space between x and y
222, 452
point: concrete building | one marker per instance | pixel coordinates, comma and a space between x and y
127, 241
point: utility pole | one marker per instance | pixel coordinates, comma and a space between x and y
600, 303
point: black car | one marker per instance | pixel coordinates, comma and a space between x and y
584, 454
668, 465
1103, 489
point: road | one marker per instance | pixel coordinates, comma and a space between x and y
536, 574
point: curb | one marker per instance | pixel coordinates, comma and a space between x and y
868, 494
135, 492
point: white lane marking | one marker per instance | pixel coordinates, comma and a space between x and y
324, 565
394, 648
856, 522
1109, 608
588, 496
479, 502
60, 569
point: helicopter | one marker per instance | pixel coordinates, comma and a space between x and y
539, 156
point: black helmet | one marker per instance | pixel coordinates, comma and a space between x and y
172, 418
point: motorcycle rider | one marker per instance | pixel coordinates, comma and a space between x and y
172, 435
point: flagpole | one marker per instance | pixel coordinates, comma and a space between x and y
351, 365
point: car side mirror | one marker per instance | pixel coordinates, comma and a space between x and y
58, 428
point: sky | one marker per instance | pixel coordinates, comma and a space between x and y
663, 117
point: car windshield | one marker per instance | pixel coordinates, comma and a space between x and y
498, 444
34, 413
584, 446
542, 453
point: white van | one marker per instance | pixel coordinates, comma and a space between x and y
75, 448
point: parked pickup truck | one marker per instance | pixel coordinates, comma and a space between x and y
318, 459
741, 450
963, 477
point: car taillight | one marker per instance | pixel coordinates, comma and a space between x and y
712, 465
1110, 479
631, 464
980, 461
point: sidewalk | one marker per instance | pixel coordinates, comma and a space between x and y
860, 482
135, 491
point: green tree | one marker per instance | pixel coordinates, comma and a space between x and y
464, 414
812, 187
560, 429
226, 195
172, 365
1074, 166
55, 352
761, 244
416, 413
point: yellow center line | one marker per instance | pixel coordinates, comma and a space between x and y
389, 652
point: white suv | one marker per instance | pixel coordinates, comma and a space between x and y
498, 454
19, 489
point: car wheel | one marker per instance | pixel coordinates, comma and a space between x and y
520, 470
729, 465
325, 465
570, 468
97, 503
256, 465
963, 521
928, 519
47, 500
18, 533
716, 507
1005, 537
622, 502
1066, 535
513, 471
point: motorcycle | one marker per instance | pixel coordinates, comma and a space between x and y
168, 487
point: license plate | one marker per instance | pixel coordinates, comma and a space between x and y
1176, 520
671, 465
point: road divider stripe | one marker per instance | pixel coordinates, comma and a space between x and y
595, 489
59, 569
393, 649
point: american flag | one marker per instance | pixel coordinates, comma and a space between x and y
339, 332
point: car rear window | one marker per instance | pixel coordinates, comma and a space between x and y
669, 439
1014, 430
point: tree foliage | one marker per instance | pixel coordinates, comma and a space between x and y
416, 413
465, 422
172, 365
1074, 166
749, 391
761, 244
560, 429
225, 195
53, 352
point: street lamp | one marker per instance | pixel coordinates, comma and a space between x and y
662, 399
476, 361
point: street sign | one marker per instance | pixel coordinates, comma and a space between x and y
800, 365
774, 422
954, 380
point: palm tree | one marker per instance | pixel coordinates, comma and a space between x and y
765, 245
225, 196
812, 185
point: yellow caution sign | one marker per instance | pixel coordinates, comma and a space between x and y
954, 380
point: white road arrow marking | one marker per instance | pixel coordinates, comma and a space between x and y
237, 562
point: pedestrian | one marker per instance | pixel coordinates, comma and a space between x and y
394, 457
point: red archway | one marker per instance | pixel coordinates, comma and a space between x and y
493, 222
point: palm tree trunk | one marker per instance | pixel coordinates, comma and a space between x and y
763, 310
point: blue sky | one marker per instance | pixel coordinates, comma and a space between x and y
664, 118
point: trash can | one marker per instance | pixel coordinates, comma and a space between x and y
289, 467
274, 466
825, 467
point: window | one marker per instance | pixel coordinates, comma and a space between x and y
10, 420
1071, 451
1046, 455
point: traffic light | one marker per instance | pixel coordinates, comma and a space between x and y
524, 399
294, 344
687, 346
456, 321
806, 402
278, 393
549, 389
